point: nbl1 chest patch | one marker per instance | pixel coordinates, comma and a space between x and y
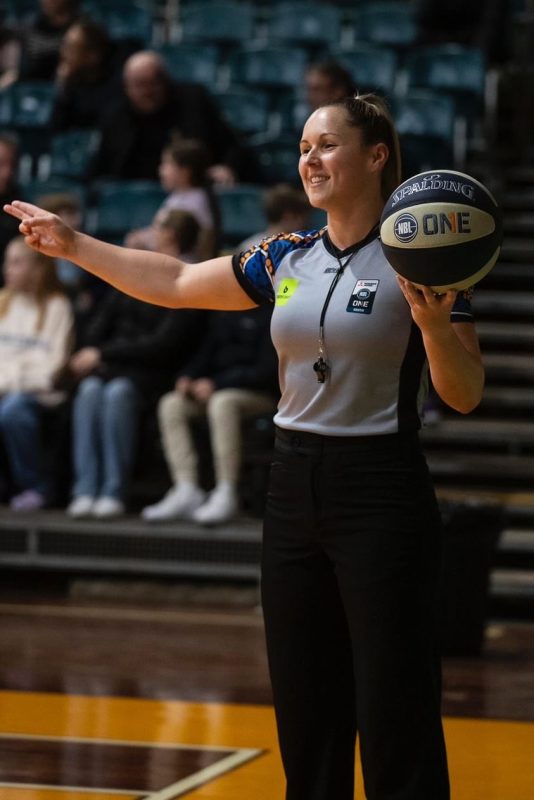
363, 296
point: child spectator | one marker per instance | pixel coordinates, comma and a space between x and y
286, 209
234, 375
35, 339
131, 354
176, 234
184, 173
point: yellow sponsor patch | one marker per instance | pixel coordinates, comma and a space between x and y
286, 290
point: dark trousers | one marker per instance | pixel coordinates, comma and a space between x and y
350, 568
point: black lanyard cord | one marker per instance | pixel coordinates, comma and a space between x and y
321, 366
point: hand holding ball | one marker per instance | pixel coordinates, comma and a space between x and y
441, 229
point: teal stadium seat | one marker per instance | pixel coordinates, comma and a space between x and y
221, 22
426, 123
390, 23
241, 212
123, 21
26, 108
270, 67
373, 67
121, 206
186, 61
279, 160
71, 153
305, 24
247, 110
33, 190
453, 69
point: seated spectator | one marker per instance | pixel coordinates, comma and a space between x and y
131, 353
326, 82
150, 109
9, 158
35, 340
84, 290
286, 209
234, 375
39, 40
176, 234
184, 173
86, 77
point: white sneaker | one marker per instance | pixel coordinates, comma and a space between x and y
221, 506
108, 507
81, 506
179, 503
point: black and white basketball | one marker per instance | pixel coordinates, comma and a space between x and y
441, 229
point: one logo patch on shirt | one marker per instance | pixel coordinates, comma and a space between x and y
363, 296
286, 290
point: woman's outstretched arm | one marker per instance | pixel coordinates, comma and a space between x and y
152, 277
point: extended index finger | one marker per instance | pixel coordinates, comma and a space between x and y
22, 210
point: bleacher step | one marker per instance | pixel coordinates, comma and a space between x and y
507, 302
509, 366
475, 431
505, 333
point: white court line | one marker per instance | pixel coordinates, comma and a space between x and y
237, 757
121, 742
205, 775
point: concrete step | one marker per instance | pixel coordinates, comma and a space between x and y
512, 303
480, 471
505, 333
505, 399
480, 432
518, 249
516, 540
509, 367
512, 583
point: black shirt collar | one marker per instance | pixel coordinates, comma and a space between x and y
337, 253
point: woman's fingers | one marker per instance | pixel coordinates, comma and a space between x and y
28, 209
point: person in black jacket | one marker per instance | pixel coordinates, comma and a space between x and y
234, 375
132, 351
88, 80
9, 158
151, 108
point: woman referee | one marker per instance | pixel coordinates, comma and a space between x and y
352, 533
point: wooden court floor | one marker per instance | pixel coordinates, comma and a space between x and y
106, 698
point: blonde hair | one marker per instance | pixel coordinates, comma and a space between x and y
370, 114
48, 284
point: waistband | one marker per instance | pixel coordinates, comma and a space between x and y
304, 442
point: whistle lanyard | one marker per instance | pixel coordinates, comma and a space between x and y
321, 366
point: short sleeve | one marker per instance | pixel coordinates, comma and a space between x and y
254, 271
461, 310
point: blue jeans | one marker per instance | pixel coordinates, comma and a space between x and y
105, 419
20, 425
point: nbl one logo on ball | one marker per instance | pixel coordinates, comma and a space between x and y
405, 228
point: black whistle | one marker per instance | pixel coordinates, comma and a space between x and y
321, 368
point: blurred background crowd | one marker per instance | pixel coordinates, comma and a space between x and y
174, 127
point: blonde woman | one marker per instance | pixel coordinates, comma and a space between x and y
35, 338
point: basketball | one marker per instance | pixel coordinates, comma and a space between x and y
441, 229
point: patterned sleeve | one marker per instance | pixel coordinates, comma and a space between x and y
254, 271
461, 310
255, 268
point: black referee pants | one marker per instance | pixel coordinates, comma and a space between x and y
350, 569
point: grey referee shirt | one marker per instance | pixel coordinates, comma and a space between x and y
378, 375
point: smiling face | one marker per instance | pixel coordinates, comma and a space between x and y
337, 169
